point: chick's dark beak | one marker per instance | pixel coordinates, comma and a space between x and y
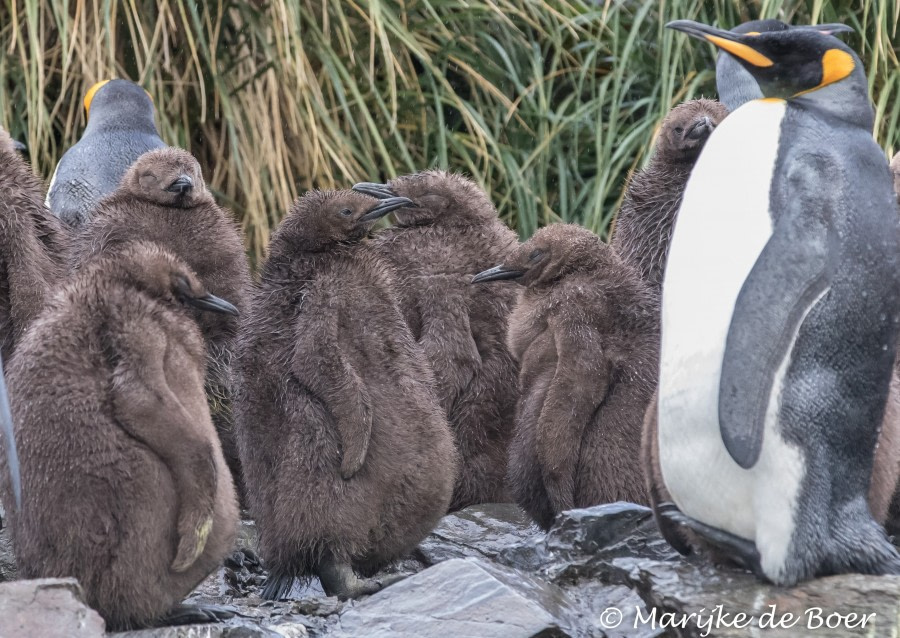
700, 129
378, 191
386, 206
19, 146
213, 304
497, 273
181, 185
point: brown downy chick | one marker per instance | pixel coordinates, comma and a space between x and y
163, 199
586, 335
124, 483
643, 228
347, 455
33, 246
435, 248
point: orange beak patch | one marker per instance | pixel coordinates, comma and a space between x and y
741, 51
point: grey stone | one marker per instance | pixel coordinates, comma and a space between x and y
464, 597
480, 531
49, 608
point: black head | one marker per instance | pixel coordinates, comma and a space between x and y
320, 219
736, 85
551, 253
119, 104
785, 64
439, 197
167, 177
686, 129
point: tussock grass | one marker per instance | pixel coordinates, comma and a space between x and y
549, 104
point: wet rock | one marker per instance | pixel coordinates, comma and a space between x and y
479, 531
49, 608
464, 597
207, 631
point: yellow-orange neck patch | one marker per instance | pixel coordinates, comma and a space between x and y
744, 52
89, 96
836, 65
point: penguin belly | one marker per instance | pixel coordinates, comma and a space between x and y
722, 227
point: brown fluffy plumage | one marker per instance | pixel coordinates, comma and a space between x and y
124, 484
347, 456
435, 249
33, 247
185, 220
586, 335
645, 221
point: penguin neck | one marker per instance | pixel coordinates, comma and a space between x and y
847, 101
647, 219
132, 122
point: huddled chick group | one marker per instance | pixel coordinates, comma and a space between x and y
365, 384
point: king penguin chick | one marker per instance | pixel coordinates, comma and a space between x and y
435, 248
163, 199
120, 128
347, 456
734, 83
585, 333
124, 483
644, 224
33, 247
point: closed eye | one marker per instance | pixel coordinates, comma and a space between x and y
346, 212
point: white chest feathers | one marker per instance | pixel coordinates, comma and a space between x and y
722, 227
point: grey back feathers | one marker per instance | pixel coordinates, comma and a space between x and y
347, 456
646, 219
435, 247
120, 129
107, 395
586, 335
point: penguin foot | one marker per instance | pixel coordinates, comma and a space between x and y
740, 550
339, 579
183, 614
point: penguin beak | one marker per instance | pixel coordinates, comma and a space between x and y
700, 129
213, 304
732, 43
386, 206
181, 185
827, 29
12, 457
497, 273
378, 191
19, 146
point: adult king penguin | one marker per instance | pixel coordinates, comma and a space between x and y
779, 319
120, 128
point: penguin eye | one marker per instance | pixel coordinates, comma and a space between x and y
535, 255
679, 130
346, 212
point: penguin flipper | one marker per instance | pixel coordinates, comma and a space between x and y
9, 436
323, 364
147, 408
789, 276
577, 390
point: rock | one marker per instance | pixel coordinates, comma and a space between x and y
207, 631
48, 608
480, 531
464, 597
